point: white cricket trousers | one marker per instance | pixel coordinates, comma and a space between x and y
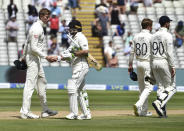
145, 88
76, 90
35, 79
162, 74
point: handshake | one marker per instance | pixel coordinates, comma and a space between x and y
52, 58
65, 55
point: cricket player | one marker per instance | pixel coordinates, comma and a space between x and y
163, 65
141, 49
35, 77
80, 69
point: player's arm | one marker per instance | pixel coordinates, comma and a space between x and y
34, 37
83, 42
170, 56
25, 50
131, 58
65, 55
81, 53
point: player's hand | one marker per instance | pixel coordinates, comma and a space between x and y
130, 69
173, 72
51, 58
22, 59
77, 53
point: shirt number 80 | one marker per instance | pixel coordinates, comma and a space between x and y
141, 49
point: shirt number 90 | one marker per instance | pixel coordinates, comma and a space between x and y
158, 48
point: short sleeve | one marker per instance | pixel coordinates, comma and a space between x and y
83, 42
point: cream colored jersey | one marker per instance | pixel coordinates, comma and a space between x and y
35, 42
141, 45
82, 41
162, 46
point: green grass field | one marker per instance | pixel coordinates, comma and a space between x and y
11, 100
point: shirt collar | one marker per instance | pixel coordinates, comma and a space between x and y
78, 33
163, 29
145, 30
42, 24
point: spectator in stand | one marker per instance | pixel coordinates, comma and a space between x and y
104, 22
114, 61
114, 14
102, 6
35, 2
56, 9
128, 39
32, 10
102, 3
32, 17
46, 4
12, 28
157, 1
96, 29
134, 6
73, 5
12, 9
157, 27
20, 52
54, 24
127, 49
50, 40
78, 4
64, 37
110, 56
179, 33
122, 5
120, 30
53, 48
147, 3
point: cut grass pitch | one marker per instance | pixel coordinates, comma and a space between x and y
11, 100
123, 123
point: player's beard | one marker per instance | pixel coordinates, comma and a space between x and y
73, 32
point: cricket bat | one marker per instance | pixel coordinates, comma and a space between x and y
94, 63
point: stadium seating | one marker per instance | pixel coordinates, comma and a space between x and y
174, 10
9, 51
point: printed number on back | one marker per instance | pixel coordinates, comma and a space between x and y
158, 48
141, 49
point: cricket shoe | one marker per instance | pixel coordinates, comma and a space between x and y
48, 113
157, 105
164, 111
137, 110
71, 116
146, 114
29, 115
84, 117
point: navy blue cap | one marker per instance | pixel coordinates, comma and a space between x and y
164, 19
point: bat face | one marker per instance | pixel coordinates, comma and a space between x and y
93, 62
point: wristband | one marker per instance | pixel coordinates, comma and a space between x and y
59, 59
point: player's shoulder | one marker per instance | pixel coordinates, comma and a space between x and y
168, 34
36, 28
135, 36
80, 35
36, 25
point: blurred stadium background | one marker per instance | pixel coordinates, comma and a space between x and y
109, 78
88, 12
